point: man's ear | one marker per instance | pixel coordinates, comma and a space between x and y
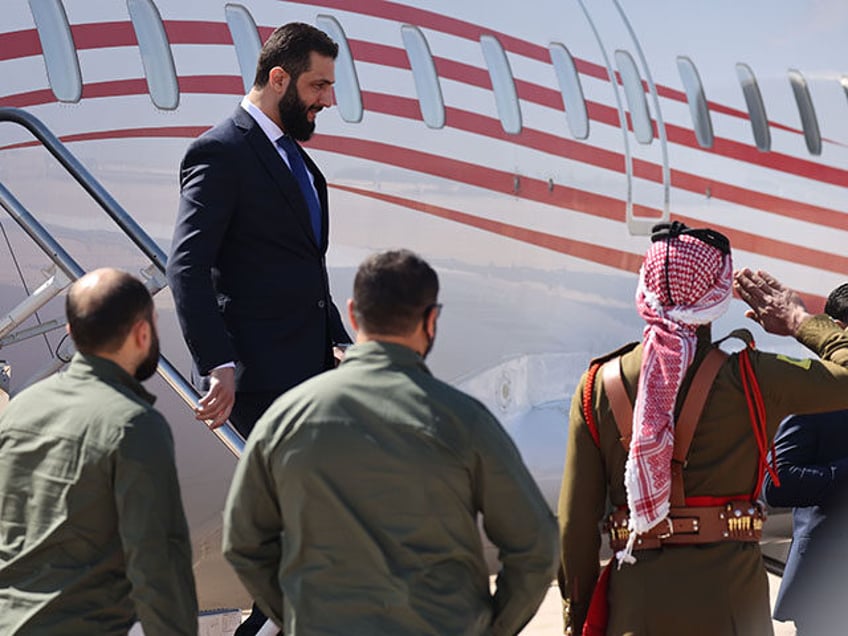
141, 334
279, 79
352, 315
430, 322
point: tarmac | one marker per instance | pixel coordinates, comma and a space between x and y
548, 620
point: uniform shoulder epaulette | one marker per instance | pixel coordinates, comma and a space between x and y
614, 354
740, 334
589, 388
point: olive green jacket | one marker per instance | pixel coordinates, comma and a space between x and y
357, 500
92, 531
705, 589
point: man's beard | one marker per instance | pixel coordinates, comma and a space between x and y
148, 366
293, 115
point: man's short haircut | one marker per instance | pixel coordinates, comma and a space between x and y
101, 317
392, 291
837, 303
289, 47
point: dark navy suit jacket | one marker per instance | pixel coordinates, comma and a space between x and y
812, 460
248, 278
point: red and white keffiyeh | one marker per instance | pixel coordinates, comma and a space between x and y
693, 290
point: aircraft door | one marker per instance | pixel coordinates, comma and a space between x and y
637, 102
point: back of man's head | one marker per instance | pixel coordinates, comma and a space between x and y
102, 308
392, 292
290, 47
837, 303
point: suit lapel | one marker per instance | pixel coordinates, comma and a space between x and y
273, 163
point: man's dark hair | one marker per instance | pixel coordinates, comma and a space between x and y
101, 316
392, 292
289, 47
837, 303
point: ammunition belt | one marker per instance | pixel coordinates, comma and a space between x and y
735, 521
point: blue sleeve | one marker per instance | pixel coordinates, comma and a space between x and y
208, 199
805, 478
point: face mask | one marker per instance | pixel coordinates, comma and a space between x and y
430, 340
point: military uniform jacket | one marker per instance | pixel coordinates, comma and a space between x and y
92, 530
703, 589
357, 497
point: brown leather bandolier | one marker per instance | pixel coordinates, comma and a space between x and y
737, 520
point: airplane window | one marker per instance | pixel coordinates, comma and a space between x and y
346, 87
424, 72
57, 46
808, 114
698, 108
571, 89
756, 108
635, 95
155, 54
246, 40
506, 97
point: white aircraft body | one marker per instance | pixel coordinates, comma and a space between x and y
523, 148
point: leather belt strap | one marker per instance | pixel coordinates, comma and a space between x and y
736, 521
622, 409
690, 412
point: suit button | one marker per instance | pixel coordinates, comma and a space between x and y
321, 304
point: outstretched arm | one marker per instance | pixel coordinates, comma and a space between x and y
207, 202
778, 309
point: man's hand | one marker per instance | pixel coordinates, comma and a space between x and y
215, 406
339, 354
778, 309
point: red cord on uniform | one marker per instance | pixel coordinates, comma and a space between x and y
757, 411
588, 410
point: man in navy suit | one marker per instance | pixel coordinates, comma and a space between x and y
812, 465
247, 266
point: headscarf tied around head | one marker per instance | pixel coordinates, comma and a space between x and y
685, 281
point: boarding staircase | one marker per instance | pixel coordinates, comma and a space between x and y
65, 269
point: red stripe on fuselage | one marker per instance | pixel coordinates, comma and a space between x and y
568, 199
542, 141
562, 196
611, 257
588, 251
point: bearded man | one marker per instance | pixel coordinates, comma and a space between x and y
92, 530
247, 266
674, 434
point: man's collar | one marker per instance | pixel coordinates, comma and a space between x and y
84, 363
396, 353
271, 130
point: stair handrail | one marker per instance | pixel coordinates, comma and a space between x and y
88, 181
64, 261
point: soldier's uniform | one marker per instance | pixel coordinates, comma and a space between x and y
357, 497
92, 531
712, 588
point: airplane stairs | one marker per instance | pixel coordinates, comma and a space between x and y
58, 277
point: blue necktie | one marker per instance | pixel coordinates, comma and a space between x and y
298, 169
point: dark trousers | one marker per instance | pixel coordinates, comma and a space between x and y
248, 408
